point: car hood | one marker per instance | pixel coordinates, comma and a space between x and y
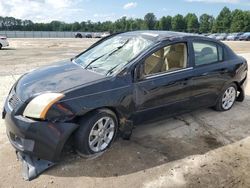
58, 77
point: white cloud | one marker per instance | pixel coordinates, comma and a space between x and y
215, 1
39, 10
130, 5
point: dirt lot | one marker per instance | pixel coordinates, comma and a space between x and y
200, 149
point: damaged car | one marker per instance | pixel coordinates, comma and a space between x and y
119, 81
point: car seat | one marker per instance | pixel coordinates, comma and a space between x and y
155, 63
176, 57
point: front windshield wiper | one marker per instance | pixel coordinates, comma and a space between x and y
118, 48
111, 70
94, 61
108, 54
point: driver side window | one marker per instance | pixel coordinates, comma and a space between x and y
170, 58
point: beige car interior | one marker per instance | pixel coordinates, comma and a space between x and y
169, 58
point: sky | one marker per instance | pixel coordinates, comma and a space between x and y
102, 10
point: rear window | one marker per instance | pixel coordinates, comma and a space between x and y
207, 52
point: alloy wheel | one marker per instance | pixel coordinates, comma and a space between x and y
101, 134
228, 98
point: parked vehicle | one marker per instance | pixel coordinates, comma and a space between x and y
97, 35
234, 36
88, 35
119, 81
79, 35
105, 34
221, 36
213, 36
245, 36
206, 34
3, 42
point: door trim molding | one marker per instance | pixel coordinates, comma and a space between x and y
165, 73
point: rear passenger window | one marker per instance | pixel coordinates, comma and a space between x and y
207, 52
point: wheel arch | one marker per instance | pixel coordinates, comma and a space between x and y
112, 109
76, 120
238, 85
241, 95
125, 125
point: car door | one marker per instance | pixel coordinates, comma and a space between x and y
170, 87
210, 72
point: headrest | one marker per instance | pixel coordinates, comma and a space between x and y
160, 53
207, 51
177, 48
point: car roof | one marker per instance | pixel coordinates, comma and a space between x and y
157, 36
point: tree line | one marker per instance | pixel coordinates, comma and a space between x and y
227, 21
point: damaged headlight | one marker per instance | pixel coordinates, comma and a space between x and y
39, 106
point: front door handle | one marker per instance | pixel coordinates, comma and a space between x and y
205, 74
185, 81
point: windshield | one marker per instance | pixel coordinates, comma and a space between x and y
246, 34
112, 54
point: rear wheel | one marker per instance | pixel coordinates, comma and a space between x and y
96, 133
227, 98
1, 46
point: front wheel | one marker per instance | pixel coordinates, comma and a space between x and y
96, 133
227, 98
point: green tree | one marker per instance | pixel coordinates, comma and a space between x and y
157, 25
246, 21
107, 26
150, 20
206, 23
223, 21
141, 24
75, 26
54, 25
27, 25
165, 23
238, 21
121, 25
192, 23
227, 21
178, 23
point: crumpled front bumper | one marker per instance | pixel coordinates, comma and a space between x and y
37, 141
42, 139
32, 166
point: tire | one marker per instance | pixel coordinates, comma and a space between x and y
227, 98
91, 132
1, 46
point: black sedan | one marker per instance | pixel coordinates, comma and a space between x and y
119, 81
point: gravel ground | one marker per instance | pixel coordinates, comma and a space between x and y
199, 149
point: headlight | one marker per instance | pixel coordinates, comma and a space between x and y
39, 106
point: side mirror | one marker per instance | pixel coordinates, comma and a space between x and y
122, 73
